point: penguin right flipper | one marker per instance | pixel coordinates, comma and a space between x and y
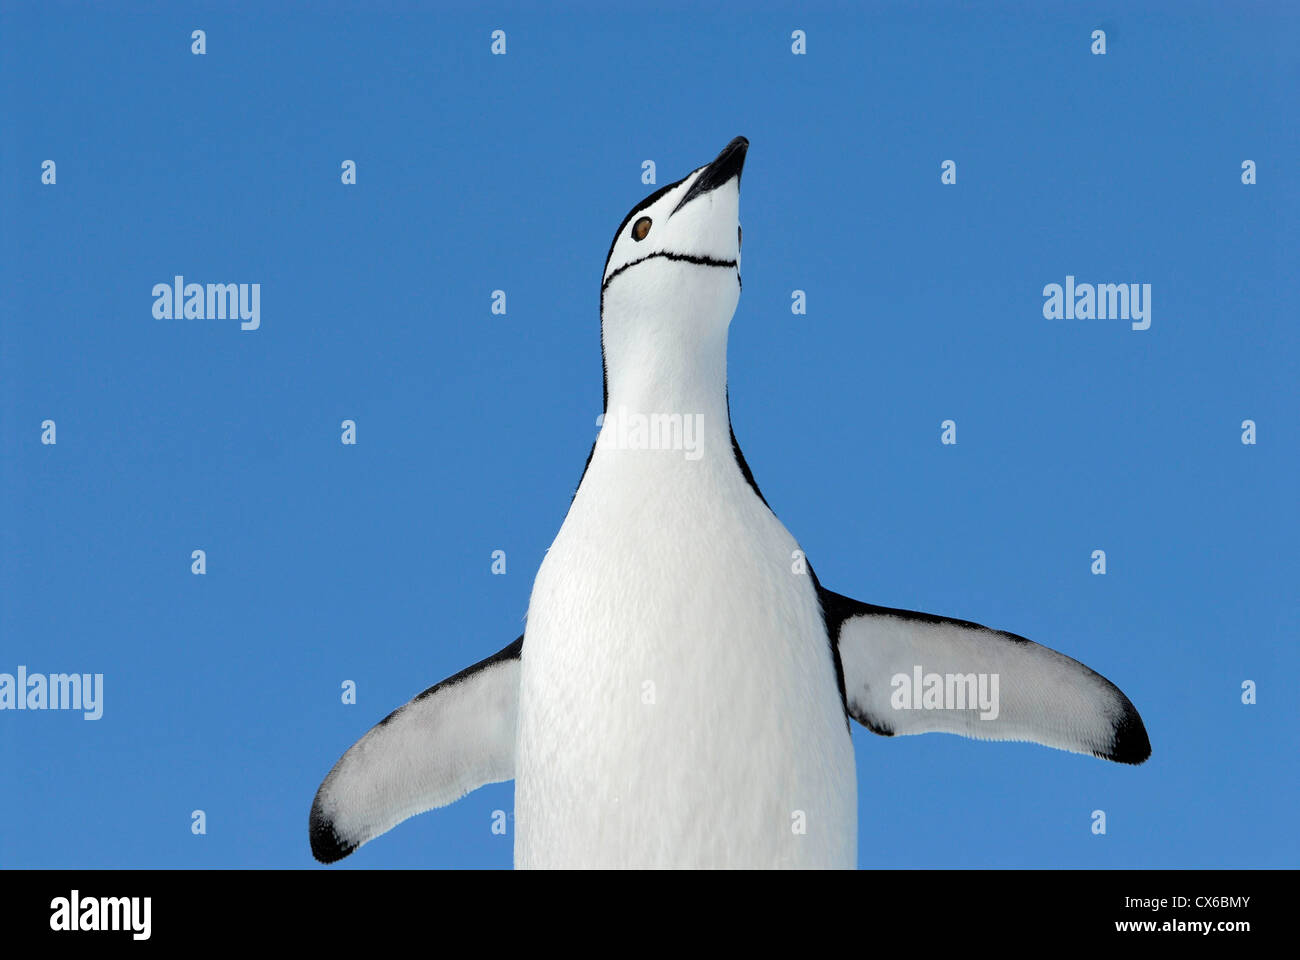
451, 739
1041, 696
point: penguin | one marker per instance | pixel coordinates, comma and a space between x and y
683, 691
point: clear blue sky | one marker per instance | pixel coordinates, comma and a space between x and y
371, 563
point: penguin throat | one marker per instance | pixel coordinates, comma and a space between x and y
672, 368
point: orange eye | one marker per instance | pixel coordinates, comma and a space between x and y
640, 229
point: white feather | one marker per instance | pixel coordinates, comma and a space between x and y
679, 705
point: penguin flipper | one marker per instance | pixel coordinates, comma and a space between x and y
451, 739
1042, 696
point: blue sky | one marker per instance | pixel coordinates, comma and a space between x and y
475, 172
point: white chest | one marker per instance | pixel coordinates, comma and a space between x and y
678, 703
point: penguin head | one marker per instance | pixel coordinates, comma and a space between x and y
672, 277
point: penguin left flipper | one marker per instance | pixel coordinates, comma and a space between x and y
451, 739
889, 657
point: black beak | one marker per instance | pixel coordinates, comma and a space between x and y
721, 171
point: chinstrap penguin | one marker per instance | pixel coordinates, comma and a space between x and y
682, 691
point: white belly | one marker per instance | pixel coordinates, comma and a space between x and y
678, 705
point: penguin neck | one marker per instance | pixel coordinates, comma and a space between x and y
666, 366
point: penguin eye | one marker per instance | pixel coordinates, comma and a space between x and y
640, 229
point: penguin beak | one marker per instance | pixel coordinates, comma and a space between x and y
721, 171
